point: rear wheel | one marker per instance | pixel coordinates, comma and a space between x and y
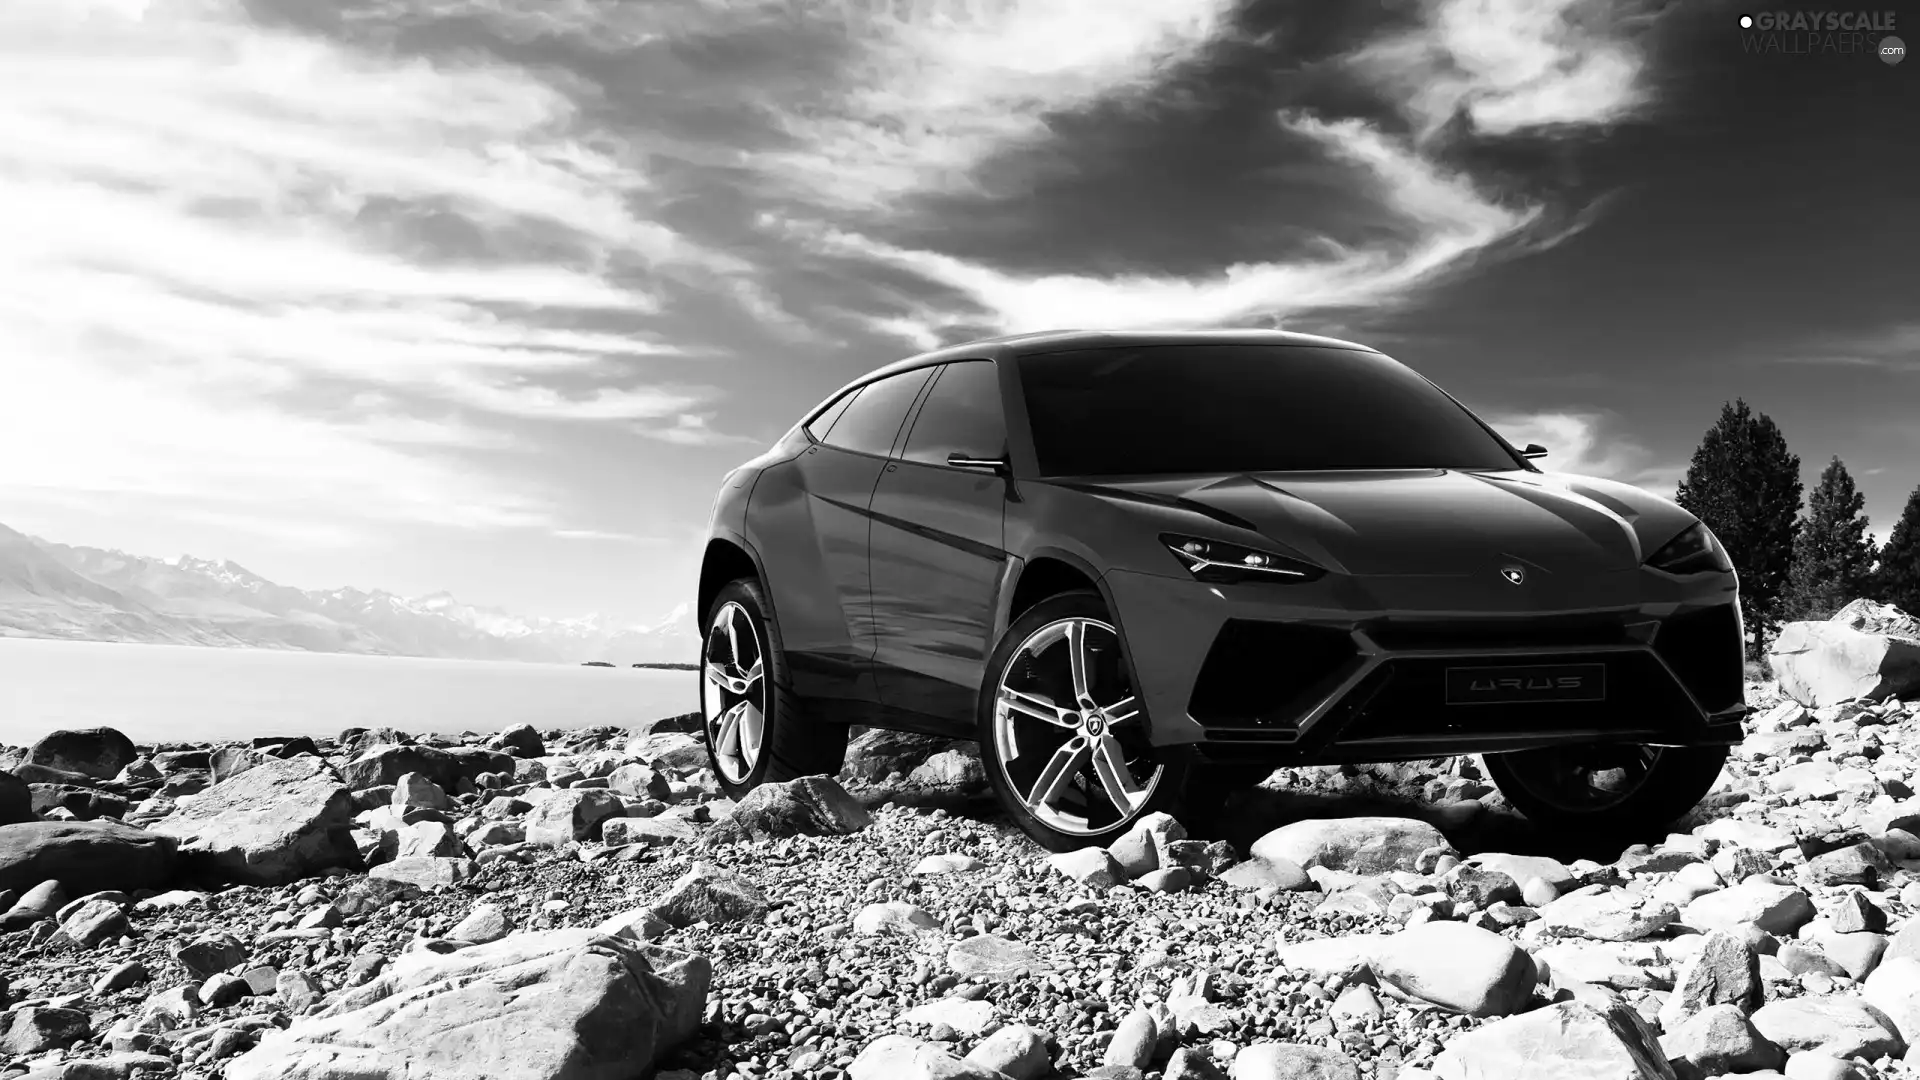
1624, 790
1063, 732
756, 729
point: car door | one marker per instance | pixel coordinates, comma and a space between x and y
938, 549
810, 518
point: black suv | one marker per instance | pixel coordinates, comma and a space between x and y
1141, 568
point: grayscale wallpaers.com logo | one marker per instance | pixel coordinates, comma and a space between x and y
1822, 33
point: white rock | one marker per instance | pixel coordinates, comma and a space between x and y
892, 917
1459, 967
527, 1007
1361, 845
965, 1017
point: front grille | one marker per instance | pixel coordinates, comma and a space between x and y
1263, 674
1704, 649
1511, 632
1410, 702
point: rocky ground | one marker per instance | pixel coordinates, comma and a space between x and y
583, 904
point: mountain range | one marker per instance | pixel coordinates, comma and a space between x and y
50, 590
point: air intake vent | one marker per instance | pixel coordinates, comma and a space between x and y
1704, 649
1263, 674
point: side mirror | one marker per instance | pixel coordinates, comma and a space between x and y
1534, 450
996, 465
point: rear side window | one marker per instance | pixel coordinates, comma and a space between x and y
962, 416
872, 421
820, 425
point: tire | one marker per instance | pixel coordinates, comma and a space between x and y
1660, 785
791, 742
1034, 658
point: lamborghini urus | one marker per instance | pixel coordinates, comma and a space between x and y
1144, 568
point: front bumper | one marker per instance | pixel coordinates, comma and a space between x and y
1342, 670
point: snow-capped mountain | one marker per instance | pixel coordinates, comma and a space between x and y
57, 590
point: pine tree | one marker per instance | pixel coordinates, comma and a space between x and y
1898, 579
1745, 484
1832, 556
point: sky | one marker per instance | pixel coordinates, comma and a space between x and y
486, 295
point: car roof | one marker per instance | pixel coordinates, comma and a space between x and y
1045, 341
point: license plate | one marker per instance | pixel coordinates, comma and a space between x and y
1526, 683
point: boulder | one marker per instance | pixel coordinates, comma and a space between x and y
900, 1057
227, 762
33, 1030
96, 753
413, 791
670, 750
877, 755
1582, 1041
1360, 845
1143, 848
520, 741
84, 803
1090, 866
1603, 914
281, 820
992, 957
707, 894
87, 856
1866, 650
892, 917
16, 801
385, 763
810, 805
426, 872
1894, 989
1267, 873
1016, 1050
1725, 971
1718, 1040
571, 814
639, 782
1777, 909
559, 1005
1459, 967
1838, 1024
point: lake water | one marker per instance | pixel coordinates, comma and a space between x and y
179, 693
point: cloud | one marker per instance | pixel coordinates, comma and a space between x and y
70, 431
274, 277
923, 98
1589, 443
1443, 215
1507, 66
607, 536
1894, 348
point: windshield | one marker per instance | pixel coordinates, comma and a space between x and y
1243, 408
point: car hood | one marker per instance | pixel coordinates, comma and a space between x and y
1434, 521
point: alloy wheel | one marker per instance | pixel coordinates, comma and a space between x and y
1070, 737
733, 692
1586, 779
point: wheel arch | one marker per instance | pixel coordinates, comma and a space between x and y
727, 558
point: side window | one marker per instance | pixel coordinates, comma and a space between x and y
871, 422
820, 425
962, 416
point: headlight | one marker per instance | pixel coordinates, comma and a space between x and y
1230, 564
1694, 551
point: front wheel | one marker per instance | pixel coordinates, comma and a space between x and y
1063, 732
757, 729
1624, 790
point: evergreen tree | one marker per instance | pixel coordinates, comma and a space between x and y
1898, 580
1745, 484
1832, 556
